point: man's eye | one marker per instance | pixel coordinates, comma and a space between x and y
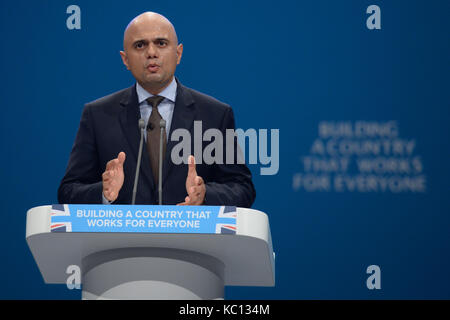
161, 43
139, 45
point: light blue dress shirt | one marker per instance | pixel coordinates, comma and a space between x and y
165, 108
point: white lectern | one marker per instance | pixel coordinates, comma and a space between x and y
151, 265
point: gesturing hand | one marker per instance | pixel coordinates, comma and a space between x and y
195, 186
113, 177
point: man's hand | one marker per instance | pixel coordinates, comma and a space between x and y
113, 177
195, 186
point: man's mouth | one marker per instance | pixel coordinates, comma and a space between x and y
153, 67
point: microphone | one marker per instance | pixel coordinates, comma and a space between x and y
162, 125
138, 165
150, 126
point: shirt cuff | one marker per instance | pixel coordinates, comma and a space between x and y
105, 201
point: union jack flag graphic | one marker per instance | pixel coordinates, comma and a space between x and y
60, 210
225, 228
229, 215
227, 212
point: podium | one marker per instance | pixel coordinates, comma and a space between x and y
149, 258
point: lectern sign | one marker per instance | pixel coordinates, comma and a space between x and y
143, 218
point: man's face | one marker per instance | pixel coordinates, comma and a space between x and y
151, 52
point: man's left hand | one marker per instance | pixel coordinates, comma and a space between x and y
195, 186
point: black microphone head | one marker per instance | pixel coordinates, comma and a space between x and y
141, 124
150, 126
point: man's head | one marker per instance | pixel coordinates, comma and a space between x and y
151, 51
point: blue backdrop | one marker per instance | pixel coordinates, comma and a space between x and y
287, 65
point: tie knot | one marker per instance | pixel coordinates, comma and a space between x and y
155, 101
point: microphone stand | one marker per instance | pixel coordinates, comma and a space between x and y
162, 125
138, 165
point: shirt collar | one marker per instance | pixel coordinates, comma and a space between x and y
169, 92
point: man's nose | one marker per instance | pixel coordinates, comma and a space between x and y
152, 51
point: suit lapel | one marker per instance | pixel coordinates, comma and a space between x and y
183, 117
129, 119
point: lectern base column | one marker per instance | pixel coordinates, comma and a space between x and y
152, 273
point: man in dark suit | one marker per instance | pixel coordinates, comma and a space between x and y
102, 164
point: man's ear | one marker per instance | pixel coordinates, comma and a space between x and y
179, 52
124, 59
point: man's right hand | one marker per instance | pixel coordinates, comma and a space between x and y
113, 177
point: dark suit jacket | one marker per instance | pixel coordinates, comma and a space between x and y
110, 125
